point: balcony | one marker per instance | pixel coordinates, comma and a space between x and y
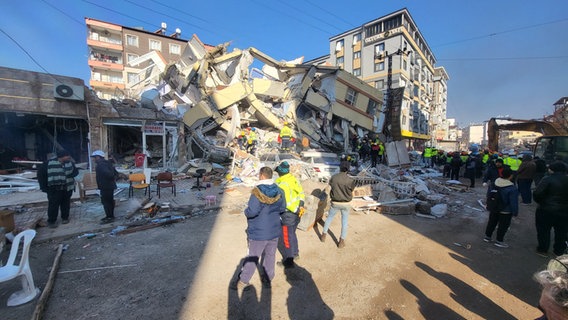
105, 61
95, 84
104, 42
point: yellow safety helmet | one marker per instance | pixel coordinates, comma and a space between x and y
285, 123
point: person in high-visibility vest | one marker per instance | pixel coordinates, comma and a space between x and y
427, 156
251, 141
294, 196
381, 152
285, 137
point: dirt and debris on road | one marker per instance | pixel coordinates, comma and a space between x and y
394, 267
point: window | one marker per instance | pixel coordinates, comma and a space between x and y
351, 96
372, 107
357, 72
379, 66
131, 56
356, 38
339, 46
380, 84
404, 64
379, 49
132, 78
132, 40
373, 30
175, 48
155, 45
357, 55
340, 61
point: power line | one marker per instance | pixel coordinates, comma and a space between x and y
24, 50
68, 16
177, 9
171, 17
504, 58
291, 16
331, 13
501, 32
32, 58
310, 15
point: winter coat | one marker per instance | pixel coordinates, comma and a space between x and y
509, 196
106, 175
527, 170
342, 186
61, 176
265, 206
294, 197
551, 194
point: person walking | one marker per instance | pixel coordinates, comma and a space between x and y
106, 182
551, 195
265, 205
508, 208
294, 197
61, 173
525, 176
341, 194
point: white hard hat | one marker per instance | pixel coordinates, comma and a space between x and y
99, 153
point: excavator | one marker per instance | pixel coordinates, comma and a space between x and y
553, 145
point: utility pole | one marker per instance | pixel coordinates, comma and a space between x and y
390, 113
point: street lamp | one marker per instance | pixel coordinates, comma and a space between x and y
390, 110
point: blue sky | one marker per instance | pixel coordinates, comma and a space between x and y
505, 57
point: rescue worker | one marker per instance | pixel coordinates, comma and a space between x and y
381, 151
513, 162
251, 141
375, 148
294, 196
427, 156
285, 137
242, 140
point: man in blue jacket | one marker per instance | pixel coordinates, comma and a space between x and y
265, 206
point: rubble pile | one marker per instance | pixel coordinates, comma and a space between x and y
216, 93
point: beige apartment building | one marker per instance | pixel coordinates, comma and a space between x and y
393, 47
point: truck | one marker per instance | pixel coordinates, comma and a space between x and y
551, 148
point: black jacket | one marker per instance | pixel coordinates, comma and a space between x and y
551, 194
106, 175
342, 186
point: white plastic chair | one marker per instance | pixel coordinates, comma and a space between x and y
12, 270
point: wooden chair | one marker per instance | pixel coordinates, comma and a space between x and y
138, 181
165, 180
88, 183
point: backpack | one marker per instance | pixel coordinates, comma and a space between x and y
494, 200
42, 176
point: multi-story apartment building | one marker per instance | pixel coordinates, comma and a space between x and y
393, 47
123, 60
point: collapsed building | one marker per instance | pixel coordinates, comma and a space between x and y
216, 89
197, 107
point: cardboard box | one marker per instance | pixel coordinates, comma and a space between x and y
7, 220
